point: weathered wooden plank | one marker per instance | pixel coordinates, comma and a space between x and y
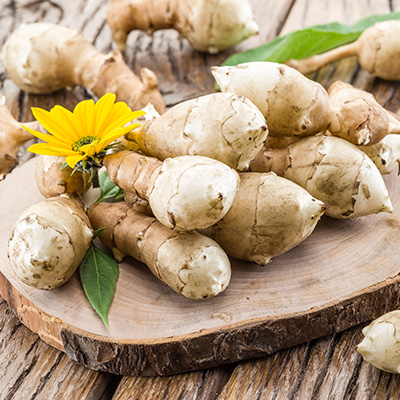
31, 369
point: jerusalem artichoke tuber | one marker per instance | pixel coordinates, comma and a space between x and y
209, 25
185, 193
362, 120
270, 215
223, 126
54, 180
42, 58
378, 51
188, 262
49, 242
332, 170
292, 104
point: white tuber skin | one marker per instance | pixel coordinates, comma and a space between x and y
185, 193
49, 242
385, 154
292, 104
270, 215
332, 170
223, 126
362, 120
378, 51
209, 25
189, 263
12, 137
381, 345
52, 180
42, 58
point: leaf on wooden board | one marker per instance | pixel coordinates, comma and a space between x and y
108, 189
308, 42
99, 273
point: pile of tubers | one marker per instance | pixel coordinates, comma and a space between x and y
245, 173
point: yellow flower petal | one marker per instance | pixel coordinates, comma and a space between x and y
105, 111
85, 112
47, 138
71, 122
45, 149
72, 160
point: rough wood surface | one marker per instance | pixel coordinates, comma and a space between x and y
323, 368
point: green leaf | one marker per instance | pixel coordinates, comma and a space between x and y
308, 42
99, 273
108, 189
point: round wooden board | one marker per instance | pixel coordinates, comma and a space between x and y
345, 273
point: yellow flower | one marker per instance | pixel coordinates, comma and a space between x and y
84, 134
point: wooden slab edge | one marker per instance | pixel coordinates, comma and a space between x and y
207, 348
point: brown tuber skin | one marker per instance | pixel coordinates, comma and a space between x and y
209, 25
12, 137
42, 58
53, 181
362, 120
189, 263
378, 51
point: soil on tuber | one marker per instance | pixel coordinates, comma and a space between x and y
49, 241
292, 104
332, 170
270, 215
377, 49
43, 57
185, 193
209, 25
189, 263
223, 126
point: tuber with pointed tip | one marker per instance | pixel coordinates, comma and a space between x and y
377, 49
223, 126
332, 170
49, 241
185, 193
209, 25
12, 137
292, 104
381, 345
53, 180
43, 57
270, 215
362, 120
189, 263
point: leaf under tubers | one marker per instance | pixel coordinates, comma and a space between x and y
270, 215
54, 180
332, 170
362, 120
381, 345
223, 126
42, 58
292, 104
378, 51
185, 193
189, 263
49, 242
209, 25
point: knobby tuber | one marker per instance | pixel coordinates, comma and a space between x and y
292, 104
209, 25
385, 154
49, 242
188, 262
42, 58
270, 215
222, 126
378, 51
185, 193
12, 137
53, 180
381, 345
362, 120
332, 170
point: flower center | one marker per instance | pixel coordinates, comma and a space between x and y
83, 141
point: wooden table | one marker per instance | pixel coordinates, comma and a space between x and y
327, 368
